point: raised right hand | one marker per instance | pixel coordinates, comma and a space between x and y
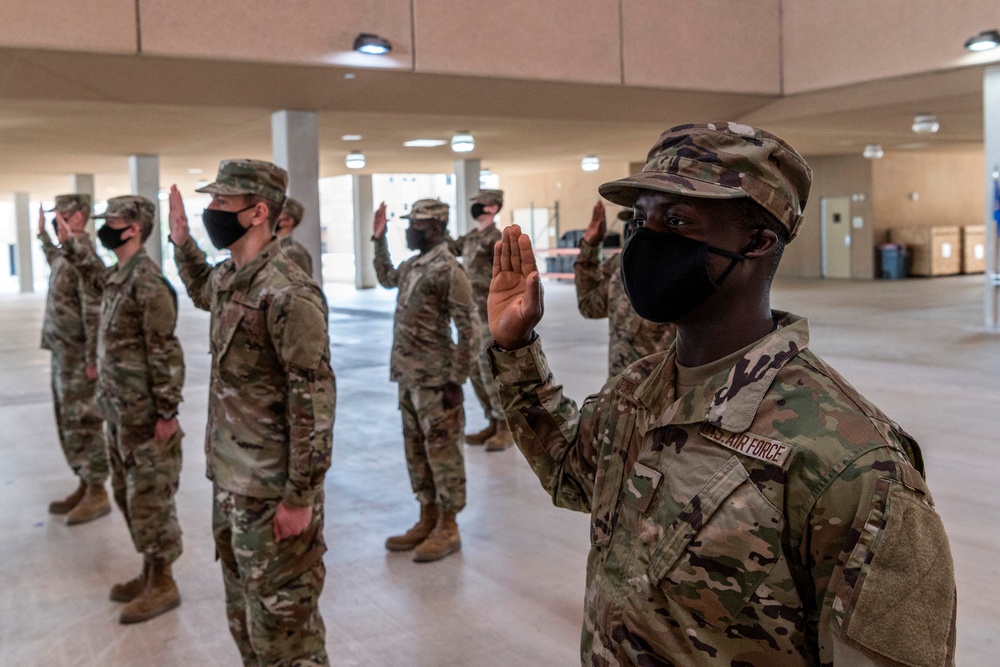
515, 302
381, 222
41, 220
598, 227
179, 231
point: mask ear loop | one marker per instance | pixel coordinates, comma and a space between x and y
736, 256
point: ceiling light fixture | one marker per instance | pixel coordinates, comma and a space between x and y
873, 151
351, 137
462, 142
372, 44
926, 124
984, 41
355, 160
590, 163
424, 143
195, 171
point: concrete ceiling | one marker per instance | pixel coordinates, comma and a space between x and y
63, 113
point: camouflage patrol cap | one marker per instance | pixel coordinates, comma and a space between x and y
132, 207
293, 209
722, 161
488, 198
428, 209
71, 203
249, 177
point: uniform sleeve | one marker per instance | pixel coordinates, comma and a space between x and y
305, 261
882, 568
196, 273
461, 310
163, 350
79, 251
297, 323
49, 249
556, 437
591, 283
388, 276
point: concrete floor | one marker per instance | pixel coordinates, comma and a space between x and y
513, 595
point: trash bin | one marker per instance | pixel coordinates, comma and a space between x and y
894, 259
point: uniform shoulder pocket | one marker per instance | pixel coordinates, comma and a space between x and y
720, 548
897, 595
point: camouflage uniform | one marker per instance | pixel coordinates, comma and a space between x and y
140, 374
476, 251
600, 294
269, 433
72, 313
433, 290
733, 525
295, 250
770, 515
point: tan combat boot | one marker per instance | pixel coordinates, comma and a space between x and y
94, 504
443, 540
418, 533
484, 435
69, 502
500, 440
129, 590
158, 596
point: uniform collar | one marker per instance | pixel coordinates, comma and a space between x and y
243, 277
731, 398
122, 272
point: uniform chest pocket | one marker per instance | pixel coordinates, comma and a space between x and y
412, 292
720, 548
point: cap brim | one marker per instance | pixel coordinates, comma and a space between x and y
222, 189
625, 191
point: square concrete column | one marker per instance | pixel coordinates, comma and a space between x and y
466, 187
364, 248
84, 184
22, 220
295, 140
144, 171
991, 142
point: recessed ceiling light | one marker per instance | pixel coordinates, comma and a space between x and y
351, 137
424, 143
373, 45
590, 163
195, 171
163, 195
926, 123
355, 160
202, 183
873, 151
915, 145
350, 75
984, 41
463, 142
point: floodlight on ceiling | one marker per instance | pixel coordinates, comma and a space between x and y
373, 45
984, 41
355, 160
463, 142
926, 124
424, 143
873, 151
590, 163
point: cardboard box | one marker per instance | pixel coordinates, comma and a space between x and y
934, 251
973, 249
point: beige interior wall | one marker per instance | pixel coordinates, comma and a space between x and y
834, 176
574, 189
665, 44
107, 26
827, 44
949, 187
301, 31
565, 40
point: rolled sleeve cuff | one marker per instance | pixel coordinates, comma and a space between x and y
589, 253
188, 249
526, 364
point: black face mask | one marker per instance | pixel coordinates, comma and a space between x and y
55, 227
478, 210
224, 228
666, 274
110, 237
416, 239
